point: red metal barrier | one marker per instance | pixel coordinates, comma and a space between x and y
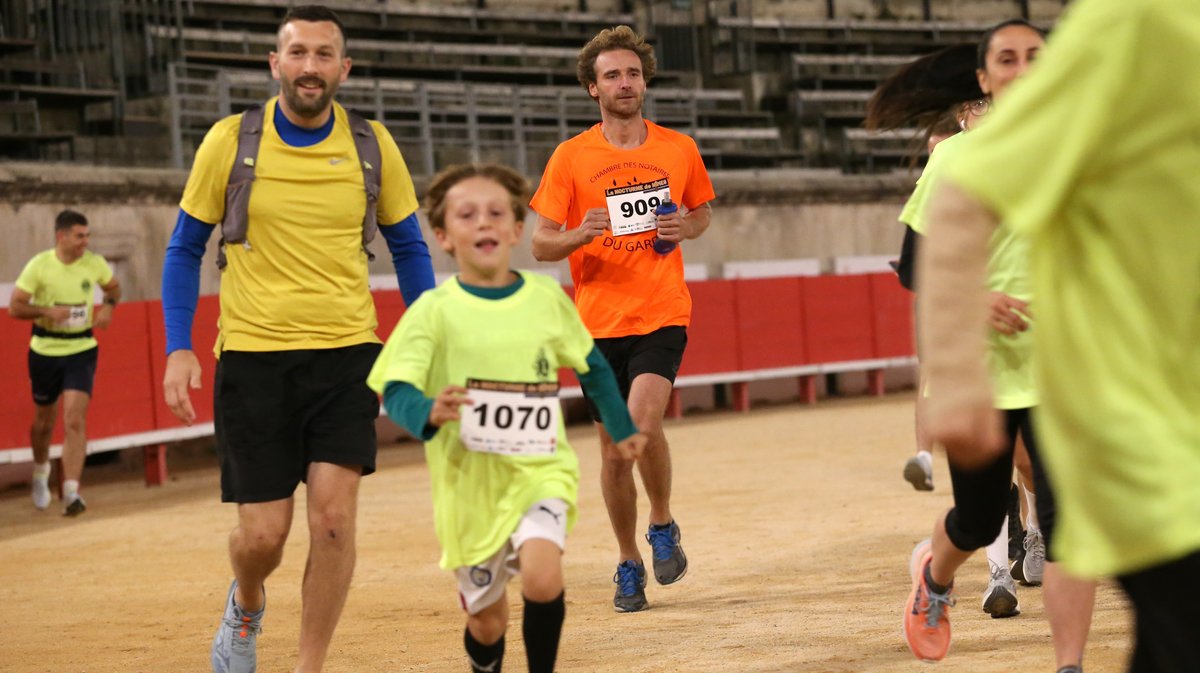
713, 335
737, 326
16, 400
124, 392
892, 315
837, 320
770, 322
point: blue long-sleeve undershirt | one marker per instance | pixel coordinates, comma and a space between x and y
181, 279
410, 257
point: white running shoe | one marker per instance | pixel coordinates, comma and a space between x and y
918, 471
41, 492
1000, 599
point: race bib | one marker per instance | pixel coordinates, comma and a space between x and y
631, 208
78, 318
511, 419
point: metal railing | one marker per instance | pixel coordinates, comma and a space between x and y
435, 123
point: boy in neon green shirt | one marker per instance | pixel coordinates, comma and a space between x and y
472, 369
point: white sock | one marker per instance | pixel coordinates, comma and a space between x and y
70, 490
1031, 522
41, 471
926, 456
997, 551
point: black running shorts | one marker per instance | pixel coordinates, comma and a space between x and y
50, 375
276, 412
659, 352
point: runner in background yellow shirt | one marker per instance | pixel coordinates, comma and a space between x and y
55, 291
1095, 159
981, 488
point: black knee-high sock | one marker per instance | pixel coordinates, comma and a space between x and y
484, 658
541, 629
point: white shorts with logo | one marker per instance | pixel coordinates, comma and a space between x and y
479, 586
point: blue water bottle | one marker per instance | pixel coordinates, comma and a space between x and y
665, 208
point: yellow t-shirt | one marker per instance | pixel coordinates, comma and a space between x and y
622, 286
1095, 156
52, 283
1010, 358
301, 282
449, 336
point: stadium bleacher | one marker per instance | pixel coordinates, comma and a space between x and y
762, 84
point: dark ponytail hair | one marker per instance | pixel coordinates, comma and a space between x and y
985, 43
922, 92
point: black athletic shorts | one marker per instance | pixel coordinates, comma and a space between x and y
658, 352
52, 374
275, 412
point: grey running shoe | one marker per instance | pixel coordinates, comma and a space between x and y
670, 563
41, 492
233, 648
1034, 563
631, 587
1000, 599
75, 507
918, 471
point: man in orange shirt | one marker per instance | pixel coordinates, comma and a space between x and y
596, 205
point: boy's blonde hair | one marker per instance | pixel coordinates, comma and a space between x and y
513, 182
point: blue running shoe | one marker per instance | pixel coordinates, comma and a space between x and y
631, 587
670, 563
233, 648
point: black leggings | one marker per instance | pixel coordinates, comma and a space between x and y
1168, 628
981, 495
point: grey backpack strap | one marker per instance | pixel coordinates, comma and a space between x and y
370, 158
241, 178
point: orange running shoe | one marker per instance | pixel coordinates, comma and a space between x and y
927, 614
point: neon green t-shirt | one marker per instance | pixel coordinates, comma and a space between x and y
1095, 156
52, 283
1010, 358
302, 282
450, 336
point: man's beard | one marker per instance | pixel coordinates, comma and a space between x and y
303, 106
616, 108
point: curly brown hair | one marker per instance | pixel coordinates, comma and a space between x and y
612, 39
513, 182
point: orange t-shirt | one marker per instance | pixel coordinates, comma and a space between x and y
623, 287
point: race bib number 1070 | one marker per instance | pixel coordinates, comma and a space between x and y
631, 208
512, 419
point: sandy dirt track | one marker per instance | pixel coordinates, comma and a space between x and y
795, 519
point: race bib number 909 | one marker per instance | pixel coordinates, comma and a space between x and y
631, 208
511, 419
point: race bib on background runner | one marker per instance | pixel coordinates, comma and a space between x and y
511, 419
77, 319
631, 208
